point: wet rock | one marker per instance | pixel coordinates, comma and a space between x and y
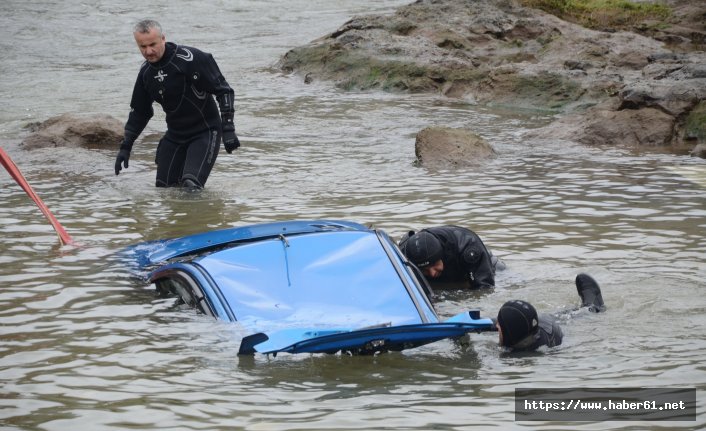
646, 127
699, 151
606, 125
444, 147
487, 51
674, 98
665, 110
73, 130
687, 26
695, 129
498, 52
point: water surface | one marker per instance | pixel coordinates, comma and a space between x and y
87, 345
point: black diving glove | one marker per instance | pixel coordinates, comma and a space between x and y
230, 140
122, 159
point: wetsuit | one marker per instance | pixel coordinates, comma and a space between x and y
184, 82
548, 334
465, 257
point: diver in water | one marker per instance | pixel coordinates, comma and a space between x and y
451, 254
521, 329
184, 80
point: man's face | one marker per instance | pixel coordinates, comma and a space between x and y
435, 270
151, 44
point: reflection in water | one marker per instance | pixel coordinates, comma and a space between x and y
85, 344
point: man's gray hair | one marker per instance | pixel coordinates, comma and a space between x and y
146, 25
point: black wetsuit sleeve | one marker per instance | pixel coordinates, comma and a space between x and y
140, 113
216, 84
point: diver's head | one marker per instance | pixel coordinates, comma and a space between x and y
516, 321
423, 249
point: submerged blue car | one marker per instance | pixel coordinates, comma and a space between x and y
305, 286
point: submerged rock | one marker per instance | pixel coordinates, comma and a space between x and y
444, 147
72, 130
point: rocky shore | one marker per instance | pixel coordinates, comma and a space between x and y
643, 84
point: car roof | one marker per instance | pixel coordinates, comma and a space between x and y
150, 253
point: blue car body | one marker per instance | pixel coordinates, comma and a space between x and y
305, 286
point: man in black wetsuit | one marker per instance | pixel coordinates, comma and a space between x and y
451, 254
184, 80
521, 329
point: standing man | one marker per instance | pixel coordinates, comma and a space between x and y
451, 254
184, 80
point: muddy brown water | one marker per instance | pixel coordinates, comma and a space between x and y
87, 345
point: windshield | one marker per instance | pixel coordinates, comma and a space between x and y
325, 280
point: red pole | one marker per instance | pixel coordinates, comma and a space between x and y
15, 173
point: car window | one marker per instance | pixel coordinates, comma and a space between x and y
182, 286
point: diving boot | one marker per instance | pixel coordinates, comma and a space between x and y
190, 185
590, 293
